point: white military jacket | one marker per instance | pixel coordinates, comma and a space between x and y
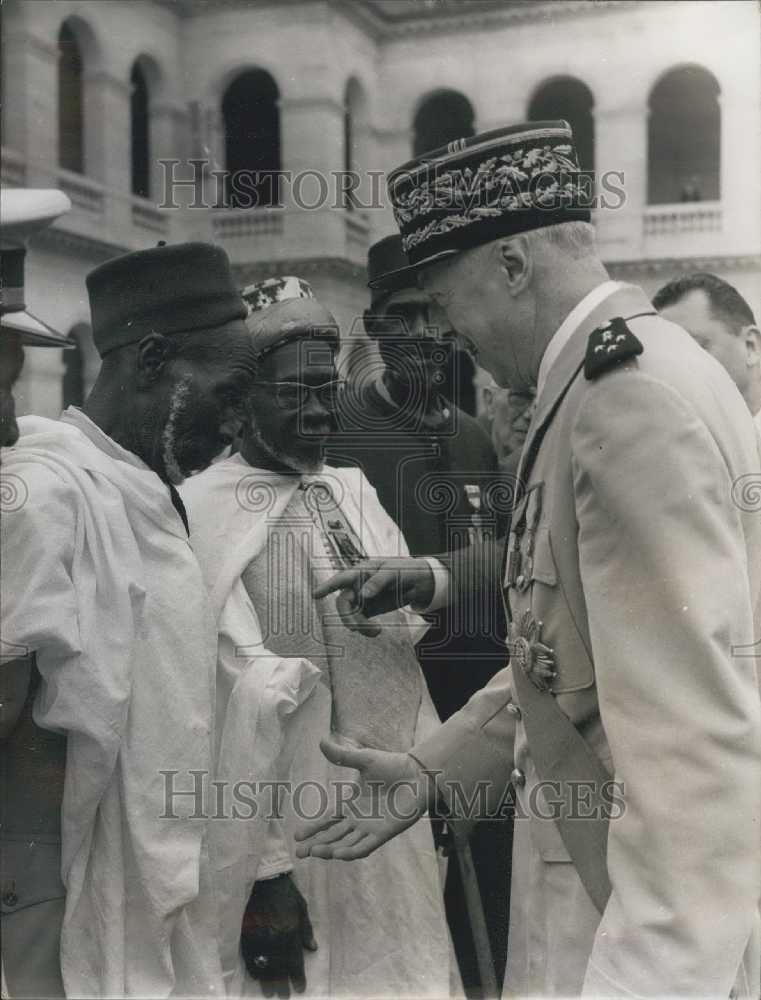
643, 564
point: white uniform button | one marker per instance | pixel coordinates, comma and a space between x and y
514, 710
517, 777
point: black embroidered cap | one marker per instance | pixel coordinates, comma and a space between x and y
387, 269
498, 183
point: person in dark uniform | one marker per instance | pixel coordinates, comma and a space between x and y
436, 474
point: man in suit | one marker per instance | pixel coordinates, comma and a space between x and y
722, 322
629, 721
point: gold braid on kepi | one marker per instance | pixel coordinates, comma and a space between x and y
475, 190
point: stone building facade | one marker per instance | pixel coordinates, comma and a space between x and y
665, 97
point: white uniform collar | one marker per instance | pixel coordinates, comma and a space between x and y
571, 323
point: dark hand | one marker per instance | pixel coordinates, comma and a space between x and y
275, 931
379, 585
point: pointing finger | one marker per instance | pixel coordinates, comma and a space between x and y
377, 583
345, 580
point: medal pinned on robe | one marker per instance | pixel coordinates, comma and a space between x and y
345, 550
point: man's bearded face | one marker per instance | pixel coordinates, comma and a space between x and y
293, 432
206, 405
409, 331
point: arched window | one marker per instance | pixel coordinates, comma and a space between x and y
684, 138
71, 145
74, 367
139, 133
441, 118
252, 138
568, 98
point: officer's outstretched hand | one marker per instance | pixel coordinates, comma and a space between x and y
376, 586
392, 794
275, 931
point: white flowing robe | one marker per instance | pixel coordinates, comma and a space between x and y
100, 581
379, 922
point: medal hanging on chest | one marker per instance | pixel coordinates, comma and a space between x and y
341, 545
520, 554
340, 541
529, 653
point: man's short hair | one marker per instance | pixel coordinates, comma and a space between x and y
727, 305
577, 239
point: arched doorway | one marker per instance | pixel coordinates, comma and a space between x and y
252, 138
571, 99
71, 140
139, 133
684, 138
441, 118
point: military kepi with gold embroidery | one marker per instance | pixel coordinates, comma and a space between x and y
475, 190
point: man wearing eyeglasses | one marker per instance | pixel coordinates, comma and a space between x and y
269, 524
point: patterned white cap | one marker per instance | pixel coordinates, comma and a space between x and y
263, 294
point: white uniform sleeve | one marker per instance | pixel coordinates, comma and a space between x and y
663, 567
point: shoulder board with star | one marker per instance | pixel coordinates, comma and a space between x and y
608, 346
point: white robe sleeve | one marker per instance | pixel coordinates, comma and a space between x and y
39, 605
276, 856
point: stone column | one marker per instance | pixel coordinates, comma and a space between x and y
108, 155
739, 158
393, 147
171, 141
621, 163
30, 111
311, 143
